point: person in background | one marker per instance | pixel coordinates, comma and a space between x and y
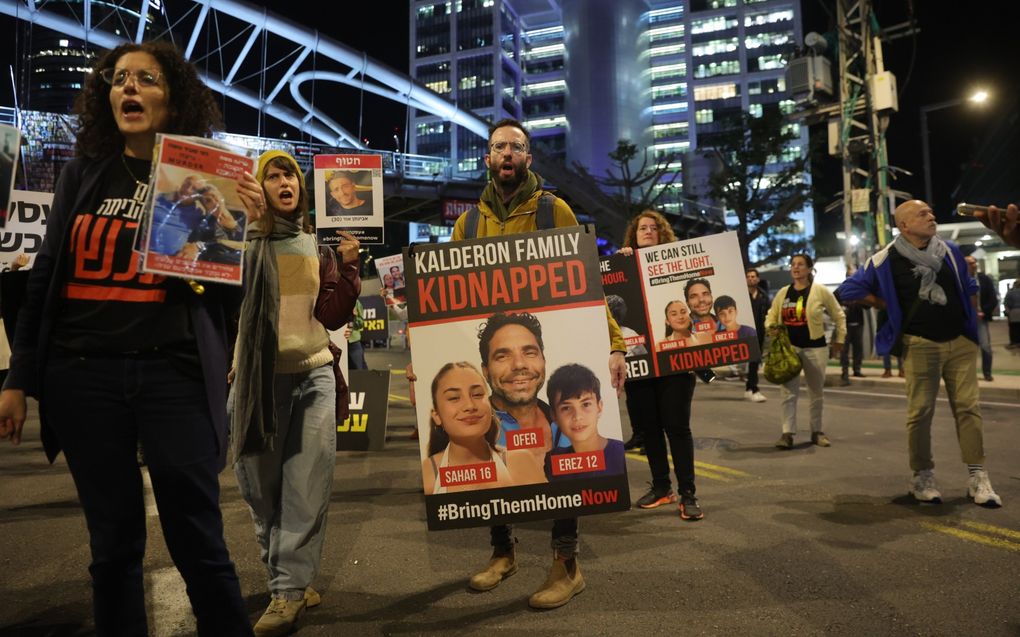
131, 359
800, 307
759, 309
288, 393
1012, 305
854, 339
355, 348
988, 306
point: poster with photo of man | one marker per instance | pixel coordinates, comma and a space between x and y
682, 306
391, 277
349, 196
10, 144
517, 416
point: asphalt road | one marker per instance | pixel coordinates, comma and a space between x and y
809, 541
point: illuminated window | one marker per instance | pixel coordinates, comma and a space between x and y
669, 71
766, 39
678, 89
704, 116
725, 45
546, 122
670, 107
769, 62
545, 88
716, 92
673, 129
669, 49
753, 19
726, 67
756, 110
666, 33
787, 106
710, 25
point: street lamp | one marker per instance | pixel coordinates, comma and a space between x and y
978, 97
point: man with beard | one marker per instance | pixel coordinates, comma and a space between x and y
514, 202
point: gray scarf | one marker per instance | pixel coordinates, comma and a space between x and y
253, 421
927, 264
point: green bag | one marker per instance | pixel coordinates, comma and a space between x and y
781, 363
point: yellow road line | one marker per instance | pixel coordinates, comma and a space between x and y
991, 528
714, 467
699, 471
970, 536
399, 398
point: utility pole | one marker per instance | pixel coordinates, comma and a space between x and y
861, 128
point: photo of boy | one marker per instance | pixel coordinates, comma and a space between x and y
576, 402
726, 313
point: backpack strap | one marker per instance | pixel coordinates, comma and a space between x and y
471, 223
544, 215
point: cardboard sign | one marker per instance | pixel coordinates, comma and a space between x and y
365, 427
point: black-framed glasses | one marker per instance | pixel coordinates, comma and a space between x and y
120, 77
516, 148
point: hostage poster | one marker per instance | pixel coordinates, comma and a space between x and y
682, 306
517, 416
349, 196
194, 225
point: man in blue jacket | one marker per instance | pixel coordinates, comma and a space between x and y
931, 299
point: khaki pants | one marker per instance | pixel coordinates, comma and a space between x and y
925, 363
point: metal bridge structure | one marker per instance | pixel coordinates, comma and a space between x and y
247, 54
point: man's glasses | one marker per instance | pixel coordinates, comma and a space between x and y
120, 77
516, 147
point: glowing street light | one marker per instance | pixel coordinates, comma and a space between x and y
979, 96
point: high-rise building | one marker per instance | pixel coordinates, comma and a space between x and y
583, 74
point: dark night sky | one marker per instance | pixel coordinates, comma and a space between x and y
955, 51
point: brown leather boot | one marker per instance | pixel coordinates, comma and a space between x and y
564, 581
502, 565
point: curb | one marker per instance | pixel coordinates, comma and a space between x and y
987, 391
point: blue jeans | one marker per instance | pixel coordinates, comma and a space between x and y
288, 487
101, 410
985, 341
356, 355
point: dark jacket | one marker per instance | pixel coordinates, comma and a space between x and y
988, 297
338, 293
760, 309
78, 185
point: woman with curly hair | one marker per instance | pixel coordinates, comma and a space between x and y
662, 406
120, 359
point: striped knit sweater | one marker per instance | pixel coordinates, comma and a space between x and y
303, 341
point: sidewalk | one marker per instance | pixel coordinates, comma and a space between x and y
1005, 370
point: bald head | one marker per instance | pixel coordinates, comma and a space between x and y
916, 222
972, 264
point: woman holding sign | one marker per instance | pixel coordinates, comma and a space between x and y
664, 403
463, 434
800, 307
121, 359
287, 393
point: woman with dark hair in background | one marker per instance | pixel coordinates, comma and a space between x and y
800, 308
663, 403
129, 359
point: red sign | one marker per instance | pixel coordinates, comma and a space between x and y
454, 208
584, 462
525, 439
467, 474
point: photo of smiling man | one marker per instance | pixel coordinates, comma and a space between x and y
576, 400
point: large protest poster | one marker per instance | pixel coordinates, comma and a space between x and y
682, 306
349, 196
364, 429
194, 223
516, 411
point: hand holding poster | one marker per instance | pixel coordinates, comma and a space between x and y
349, 196
494, 322
682, 306
194, 222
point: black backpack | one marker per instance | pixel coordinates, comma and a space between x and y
544, 216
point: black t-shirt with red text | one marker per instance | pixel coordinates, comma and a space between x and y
794, 314
109, 306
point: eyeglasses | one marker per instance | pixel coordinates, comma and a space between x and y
516, 147
120, 77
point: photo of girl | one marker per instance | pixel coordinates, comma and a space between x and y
679, 326
463, 433
576, 401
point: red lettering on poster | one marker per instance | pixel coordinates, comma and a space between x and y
584, 462
525, 439
467, 474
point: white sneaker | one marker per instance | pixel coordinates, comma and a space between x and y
748, 395
758, 397
980, 489
922, 487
